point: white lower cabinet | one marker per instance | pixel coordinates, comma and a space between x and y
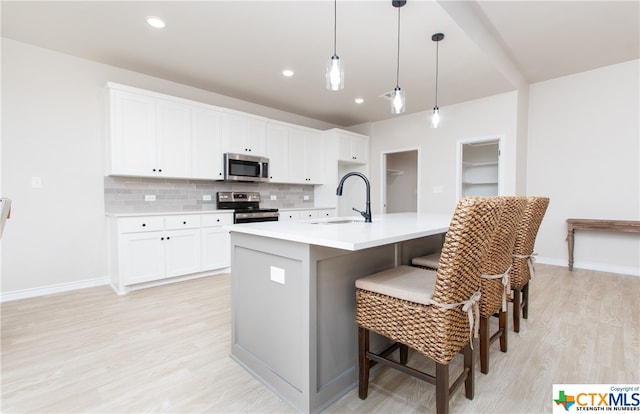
293, 215
152, 249
215, 241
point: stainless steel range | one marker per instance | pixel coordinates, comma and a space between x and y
245, 206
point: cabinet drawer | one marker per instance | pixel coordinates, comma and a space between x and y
330, 212
213, 220
140, 224
190, 221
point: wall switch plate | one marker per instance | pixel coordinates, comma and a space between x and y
150, 197
305, 198
206, 197
277, 275
273, 197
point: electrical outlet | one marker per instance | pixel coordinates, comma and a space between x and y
437, 189
277, 275
305, 198
206, 197
150, 197
36, 182
273, 197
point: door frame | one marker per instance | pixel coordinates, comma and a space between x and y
478, 140
383, 176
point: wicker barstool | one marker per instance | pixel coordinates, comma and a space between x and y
522, 269
494, 280
431, 312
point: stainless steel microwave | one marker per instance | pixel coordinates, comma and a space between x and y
242, 167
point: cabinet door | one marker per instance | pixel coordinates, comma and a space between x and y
216, 252
313, 159
297, 157
141, 257
243, 134
133, 133
278, 152
206, 144
309, 214
344, 148
256, 136
353, 149
360, 150
182, 252
174, 140
330, 212
289, 215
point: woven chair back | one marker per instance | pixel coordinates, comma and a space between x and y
500, 255
525, 240
463, 252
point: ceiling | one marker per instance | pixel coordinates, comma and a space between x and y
239, 48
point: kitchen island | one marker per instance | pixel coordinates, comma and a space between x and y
293, 296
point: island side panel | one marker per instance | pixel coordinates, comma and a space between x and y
270, 314
337, 339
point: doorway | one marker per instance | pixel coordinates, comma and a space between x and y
400, 188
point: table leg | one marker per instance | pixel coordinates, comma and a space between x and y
570, 235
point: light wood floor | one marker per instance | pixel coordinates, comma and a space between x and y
166, 349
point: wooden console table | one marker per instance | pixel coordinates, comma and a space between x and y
626, 226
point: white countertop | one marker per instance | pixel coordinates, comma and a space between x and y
385, 229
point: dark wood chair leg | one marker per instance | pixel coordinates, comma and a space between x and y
484, 344
516, 310
525, 301
442, 388
404, 354
363, 362
469, 383
502, 326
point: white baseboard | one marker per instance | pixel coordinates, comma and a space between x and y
599, 267
47, 290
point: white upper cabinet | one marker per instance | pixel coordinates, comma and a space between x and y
243, 134
206, 144
148, 136
353, 148
174, 140
277, 151
296, 154
306, 156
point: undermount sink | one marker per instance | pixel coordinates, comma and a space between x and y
338, 222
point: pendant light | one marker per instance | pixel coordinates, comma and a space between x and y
335, 70
435, 117
397, 96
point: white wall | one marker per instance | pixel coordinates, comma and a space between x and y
494, 116
584, 153
581, 150
52, 127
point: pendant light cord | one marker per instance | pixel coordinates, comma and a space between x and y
398, 61
437, 54
335, 25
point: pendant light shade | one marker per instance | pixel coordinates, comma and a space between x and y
397, 101
435, 116
335, 71
335, 74
397, 97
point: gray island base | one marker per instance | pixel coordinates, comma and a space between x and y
293, 297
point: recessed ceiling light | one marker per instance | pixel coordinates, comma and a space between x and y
288, 73
156, 22
358, 100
